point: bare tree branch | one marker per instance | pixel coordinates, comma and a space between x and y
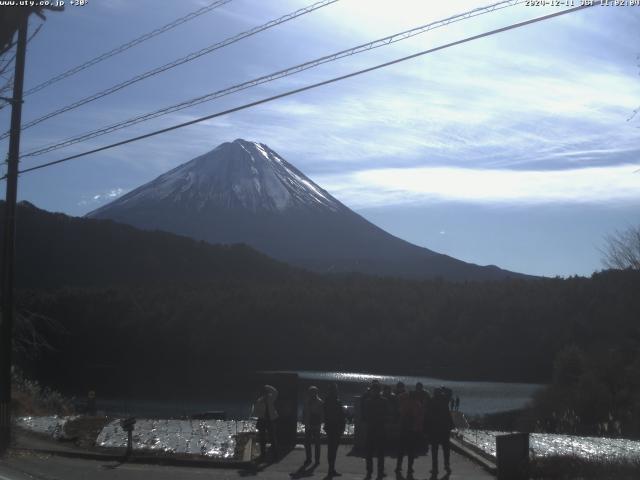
622, 249
31, 332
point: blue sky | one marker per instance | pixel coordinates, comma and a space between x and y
515, 150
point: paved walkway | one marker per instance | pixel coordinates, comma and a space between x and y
21, 465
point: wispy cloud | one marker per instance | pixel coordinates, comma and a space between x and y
393, 186
544, 98
103, 197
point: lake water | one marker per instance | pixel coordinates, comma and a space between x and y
476, 398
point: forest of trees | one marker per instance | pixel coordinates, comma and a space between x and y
136, 312
508, 330
596, 391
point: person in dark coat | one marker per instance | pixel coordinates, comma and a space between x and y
334, 423
391, 397
366, 395
411, 428
422, 394
312, 415
400, 390
439, 425
425, 398
402, 398
375, 414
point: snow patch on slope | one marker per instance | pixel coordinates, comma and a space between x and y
239, 174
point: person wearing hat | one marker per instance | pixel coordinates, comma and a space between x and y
312, 416
264, 409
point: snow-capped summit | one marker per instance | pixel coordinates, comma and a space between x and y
244, 192
238, 174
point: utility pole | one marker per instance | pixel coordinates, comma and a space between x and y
8, 245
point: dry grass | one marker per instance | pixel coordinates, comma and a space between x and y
28, 397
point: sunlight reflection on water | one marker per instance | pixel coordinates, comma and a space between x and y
477, 398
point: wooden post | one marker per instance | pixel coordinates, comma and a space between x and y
8, 245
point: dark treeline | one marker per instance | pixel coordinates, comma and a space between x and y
138, 312
508, 330
593, 392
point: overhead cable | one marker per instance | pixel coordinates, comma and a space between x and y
309, 87
127, 46
175, 63
273, 76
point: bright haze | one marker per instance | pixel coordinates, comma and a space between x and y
517, 150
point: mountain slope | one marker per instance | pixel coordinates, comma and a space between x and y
55, 250
245, 192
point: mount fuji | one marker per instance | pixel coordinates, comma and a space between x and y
244, 192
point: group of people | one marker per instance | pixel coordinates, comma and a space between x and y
423, 420
327, 414
404, 422
317, 414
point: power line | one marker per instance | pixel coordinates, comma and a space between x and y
128, 45
6, 87
274, 76
4, 67
309, 87
175, 63
9, 84
7, 63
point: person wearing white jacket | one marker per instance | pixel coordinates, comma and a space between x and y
264, 409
